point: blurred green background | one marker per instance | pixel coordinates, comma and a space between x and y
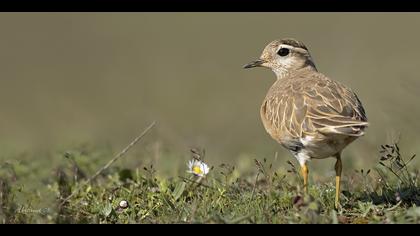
100, 78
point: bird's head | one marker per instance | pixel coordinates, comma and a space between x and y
283, 56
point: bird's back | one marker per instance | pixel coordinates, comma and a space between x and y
308, 105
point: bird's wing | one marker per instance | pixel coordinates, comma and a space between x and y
333, 108
305, 106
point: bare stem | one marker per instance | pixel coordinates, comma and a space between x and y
116, 157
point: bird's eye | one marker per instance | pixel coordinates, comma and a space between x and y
283, 52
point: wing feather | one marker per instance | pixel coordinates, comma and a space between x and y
306, 105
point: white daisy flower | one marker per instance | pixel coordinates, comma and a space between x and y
198, 168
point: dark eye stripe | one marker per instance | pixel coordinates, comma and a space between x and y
283, 52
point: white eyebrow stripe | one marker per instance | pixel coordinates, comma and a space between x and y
285, 46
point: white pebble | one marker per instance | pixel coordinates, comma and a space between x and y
123, 204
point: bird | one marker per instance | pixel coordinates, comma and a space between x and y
309, 114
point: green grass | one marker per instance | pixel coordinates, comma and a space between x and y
261, 194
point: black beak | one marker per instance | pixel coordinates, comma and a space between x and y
256, 63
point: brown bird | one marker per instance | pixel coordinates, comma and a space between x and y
311, 115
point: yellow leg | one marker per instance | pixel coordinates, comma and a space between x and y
305, 171
338, 168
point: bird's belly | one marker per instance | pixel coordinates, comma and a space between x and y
326, 146
320, 152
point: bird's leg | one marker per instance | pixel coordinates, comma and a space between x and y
338, 168
304, 169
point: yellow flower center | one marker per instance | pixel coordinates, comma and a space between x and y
197, 170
